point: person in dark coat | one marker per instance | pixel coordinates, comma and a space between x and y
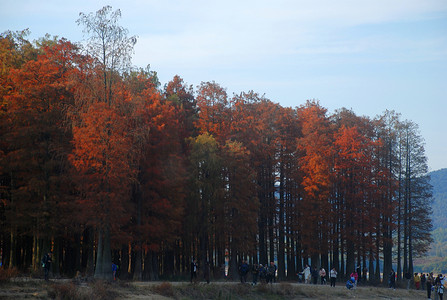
430, 283
271, 272
262, 273
439, 286
194, 270
243, 271
254, 273
46, 264
408, 277
392, 279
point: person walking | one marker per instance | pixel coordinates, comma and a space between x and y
243, 270
307, 274
322, 275
271, 272
355, 275
194, 270
114, 269
254, 273
439, 286
430, 282
408, 278
417, 281
46, 264
392, 280
333, 276
262, 273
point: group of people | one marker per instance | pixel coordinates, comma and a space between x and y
195, 269
432, 284
312, 275
265, 273
423, 281
47, 260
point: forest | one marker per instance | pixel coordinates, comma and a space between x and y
100, 163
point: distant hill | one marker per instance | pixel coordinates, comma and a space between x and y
439, 182
436, 259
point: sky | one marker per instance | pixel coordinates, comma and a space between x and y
365, 55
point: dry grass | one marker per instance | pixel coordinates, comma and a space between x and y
164, 289
69, 291
7, 274
235, 291
66, 289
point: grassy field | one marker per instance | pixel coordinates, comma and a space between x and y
26, 288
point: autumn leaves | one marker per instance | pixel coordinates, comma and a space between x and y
159, 175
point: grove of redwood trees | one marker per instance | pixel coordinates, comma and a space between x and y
100, 164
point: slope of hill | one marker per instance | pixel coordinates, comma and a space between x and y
436, 259
439, 182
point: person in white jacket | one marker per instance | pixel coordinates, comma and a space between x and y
307, 274
333, 276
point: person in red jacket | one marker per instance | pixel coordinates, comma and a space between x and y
356, 278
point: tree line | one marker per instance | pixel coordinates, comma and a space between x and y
99, 163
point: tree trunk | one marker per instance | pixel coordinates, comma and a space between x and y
281, 252
299, 256
99, 270
291, 265
36, 255
371, 278
103, 268
90, 251
153, 266
377, 272
124, 262
56, 257
137, 272
233, 272
13, 250
350, 257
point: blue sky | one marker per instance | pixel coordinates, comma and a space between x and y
365, 55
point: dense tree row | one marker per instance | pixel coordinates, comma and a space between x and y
100, 164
